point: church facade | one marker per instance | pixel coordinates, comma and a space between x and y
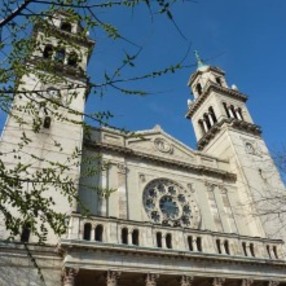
169, 215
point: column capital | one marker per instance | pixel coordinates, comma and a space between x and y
273, 283
151, 279
112, 278
69, 276
247, 282
186, 280
218, 281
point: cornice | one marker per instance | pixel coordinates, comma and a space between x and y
77, 245
199, 169
68, 36
235, 123
211, 86
199, 72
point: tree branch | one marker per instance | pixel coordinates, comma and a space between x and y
15, 13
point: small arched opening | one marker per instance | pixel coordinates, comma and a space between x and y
66, 26
190, 243
226, 247
98, 233
135, 237
199, 89
73, 59
218, 246
48, 52
87, 231
26, 232
244, 248
199, 244
159, 239
124, 235
169, 240
251, 248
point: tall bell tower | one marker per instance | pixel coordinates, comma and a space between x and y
224, 128
48, 107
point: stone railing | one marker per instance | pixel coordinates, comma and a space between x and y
100, 230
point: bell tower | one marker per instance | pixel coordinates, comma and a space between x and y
44, 129
224, 128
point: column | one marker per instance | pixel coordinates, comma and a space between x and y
238, 114
230, 112
130, 236
151, 279
122, 192
211, 119
112, 278
186, 280
205, 125
69, 276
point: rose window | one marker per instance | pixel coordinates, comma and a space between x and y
168, 203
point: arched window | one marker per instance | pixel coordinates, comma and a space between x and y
135, 237
124, 235
190, 243
98, 232
72, 59
87, 231
159, 239
60, 55
226, 247
26, 231
199, 244
218, 246
169, 240
199, 88
66, 27
48, 52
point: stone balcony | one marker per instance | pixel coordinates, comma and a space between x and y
96, 245
133, 234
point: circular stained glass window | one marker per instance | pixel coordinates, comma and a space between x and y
169, 203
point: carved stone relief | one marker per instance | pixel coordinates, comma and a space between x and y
163, 146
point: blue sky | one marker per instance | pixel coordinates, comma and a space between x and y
245, 38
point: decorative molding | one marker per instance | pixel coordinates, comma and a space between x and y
112, 278
151, 279
232, 122
208, 171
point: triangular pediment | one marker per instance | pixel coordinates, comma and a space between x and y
157, 142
